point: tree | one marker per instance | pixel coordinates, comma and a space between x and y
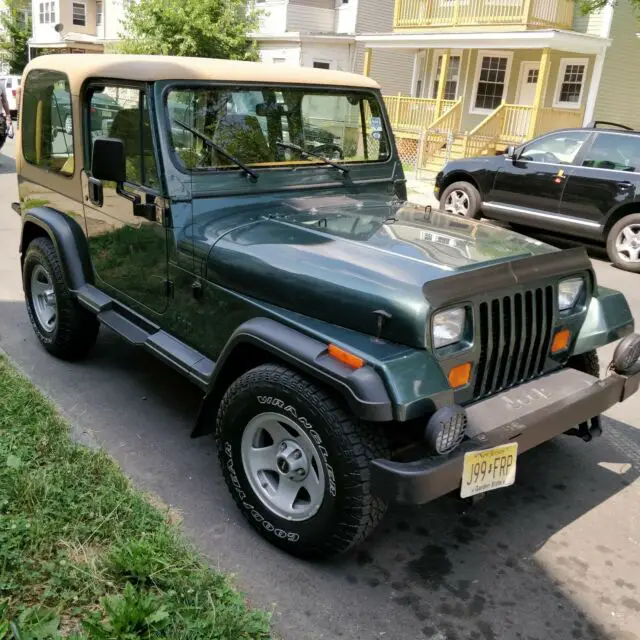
16, 26
203, 28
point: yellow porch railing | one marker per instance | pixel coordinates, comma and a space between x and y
438, 133
482, 139
411, 14
411, 113
551, 119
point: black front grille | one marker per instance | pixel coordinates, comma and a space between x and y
515, 332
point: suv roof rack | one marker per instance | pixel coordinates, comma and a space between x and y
594, 123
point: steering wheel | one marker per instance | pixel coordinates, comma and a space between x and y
331, 151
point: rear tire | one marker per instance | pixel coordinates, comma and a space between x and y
273, 412
623, 243
64, 328
461, 198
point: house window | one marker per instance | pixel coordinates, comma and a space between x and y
492, 76
570, 86
79, 11
453, 75
532, 76
99, 13
317, 64
47, 13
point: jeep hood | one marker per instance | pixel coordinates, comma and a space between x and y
340, 258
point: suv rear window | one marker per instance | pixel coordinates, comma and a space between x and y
252, 123
615, 151
47, 126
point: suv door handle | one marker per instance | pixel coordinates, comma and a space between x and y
624, 185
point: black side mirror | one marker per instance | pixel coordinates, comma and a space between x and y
108, 161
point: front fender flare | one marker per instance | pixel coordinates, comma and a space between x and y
362, 389
68, 239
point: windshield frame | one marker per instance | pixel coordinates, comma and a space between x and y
297, 165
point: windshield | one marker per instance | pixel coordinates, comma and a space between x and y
251, 124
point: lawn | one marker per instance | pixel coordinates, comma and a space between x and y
84, 555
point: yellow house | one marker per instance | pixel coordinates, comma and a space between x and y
490, 73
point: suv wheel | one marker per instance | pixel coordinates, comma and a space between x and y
63, 327
623, 243
297, 464
461, 198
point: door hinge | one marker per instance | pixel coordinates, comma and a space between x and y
168, 288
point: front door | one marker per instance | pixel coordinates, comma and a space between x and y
607, 176
128, 251
527, 188
526, 94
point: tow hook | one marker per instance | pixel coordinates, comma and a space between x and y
587, 430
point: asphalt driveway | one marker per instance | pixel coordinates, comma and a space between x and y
555, 557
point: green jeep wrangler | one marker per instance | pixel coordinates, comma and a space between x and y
352, 349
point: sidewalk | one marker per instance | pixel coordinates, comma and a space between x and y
421, 192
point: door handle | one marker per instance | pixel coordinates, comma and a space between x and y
624, 185
96, 194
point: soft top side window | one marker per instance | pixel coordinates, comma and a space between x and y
122, 112
47, 123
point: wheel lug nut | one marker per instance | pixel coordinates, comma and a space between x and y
297, 455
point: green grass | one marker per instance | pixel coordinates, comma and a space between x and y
84, 555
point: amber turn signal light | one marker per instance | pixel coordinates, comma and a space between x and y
459, 375
560, 340
345, 357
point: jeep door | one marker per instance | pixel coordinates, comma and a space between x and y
607, 177
128, 243
528, 186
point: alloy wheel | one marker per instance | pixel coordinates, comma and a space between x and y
628, 243
283, 466
43, 297
457, 202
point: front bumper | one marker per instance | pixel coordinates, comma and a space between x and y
529, 414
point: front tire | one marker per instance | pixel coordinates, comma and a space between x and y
623, 243
64, 328
297, 464
461, 198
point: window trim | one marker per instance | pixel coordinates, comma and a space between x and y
99, 13
434, 67
83, 4
46, 170
189, 84
482, 53
564, 63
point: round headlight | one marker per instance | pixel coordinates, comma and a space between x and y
448, 327
568, 292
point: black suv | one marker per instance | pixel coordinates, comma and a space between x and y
576, 182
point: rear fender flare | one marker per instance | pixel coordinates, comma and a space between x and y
261, 340
67, 237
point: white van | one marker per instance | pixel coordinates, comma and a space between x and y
11, 84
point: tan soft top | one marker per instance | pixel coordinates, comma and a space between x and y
79, 67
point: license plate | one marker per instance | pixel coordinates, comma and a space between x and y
489, 469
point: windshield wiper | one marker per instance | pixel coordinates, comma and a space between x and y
219, 149
304, 152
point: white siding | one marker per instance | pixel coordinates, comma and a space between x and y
44, 32
290, 54
274, 16
346, 15
337, 55
391, 68
619, 91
